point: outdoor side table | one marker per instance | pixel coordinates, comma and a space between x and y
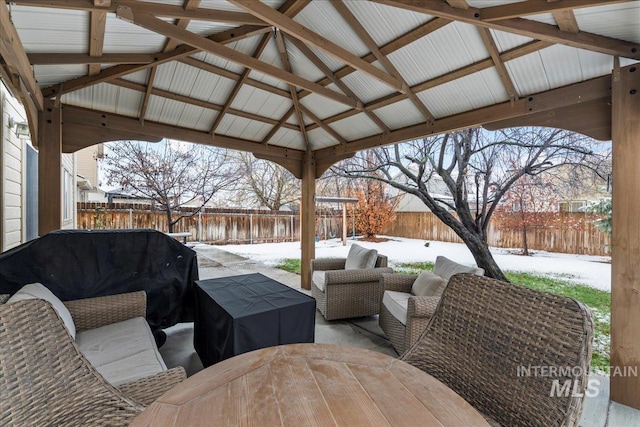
238, 314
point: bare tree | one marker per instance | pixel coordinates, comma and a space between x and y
266, 183
169, 173
474, 166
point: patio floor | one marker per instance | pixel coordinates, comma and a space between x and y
361, 332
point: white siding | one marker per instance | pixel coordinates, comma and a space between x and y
11, 160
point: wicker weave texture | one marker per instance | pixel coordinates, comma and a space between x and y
348, 293
45, 380
91, 313
148, 389
393, 329
482, 334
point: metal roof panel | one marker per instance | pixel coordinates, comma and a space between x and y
258, 101
288, 138
239, 127
400, 114
355, 127
51, 30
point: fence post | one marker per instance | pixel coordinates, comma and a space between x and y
199, 226
251, 229
130, 217
292, 233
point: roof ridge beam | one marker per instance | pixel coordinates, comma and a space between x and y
295, 29
523, 27
145, 20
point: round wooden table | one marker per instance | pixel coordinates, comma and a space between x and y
310, 385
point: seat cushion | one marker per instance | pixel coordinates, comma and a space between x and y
39, 291
122, 352
318, 279
446, 268
428, 284
397, 303
360, 257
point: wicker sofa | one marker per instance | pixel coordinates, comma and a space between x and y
342, 292
404, 313
105, 376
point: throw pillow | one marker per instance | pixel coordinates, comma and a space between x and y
428, 284
360, 257
446, 268
39, 291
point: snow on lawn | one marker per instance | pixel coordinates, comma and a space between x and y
594, 271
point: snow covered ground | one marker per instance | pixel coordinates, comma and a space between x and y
594, 271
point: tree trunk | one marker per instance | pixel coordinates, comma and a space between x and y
169, 222
525, 246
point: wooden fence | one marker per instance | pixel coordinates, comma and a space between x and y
565, 237
223, 226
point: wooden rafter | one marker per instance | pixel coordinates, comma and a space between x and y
169, 45
158, 9
12, 51
239, 83
152, 23
306, 51
281, 123
284, 58
565, 19
514, 53
366, 38
301, 32
458, 4
96, 38
197, 102
57, 58
335, 135
523, 27
536, 7
490, 44
183, 51
565, 96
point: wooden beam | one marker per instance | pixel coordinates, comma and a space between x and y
366, 38
239, 83
157, 8
281, 123
295, 29
197, 102
159, 26
97, 26
625, 255
523, 27
566, 21
292, 165
57, 58
490, 44
13, 54
76, 136
284, 58
117, 71
536, 7
445, 78
565, 96
308, 218
335, 135
50, 169
19, 91
458, 4
119, 123
306, 51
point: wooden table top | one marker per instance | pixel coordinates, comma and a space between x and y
310, 385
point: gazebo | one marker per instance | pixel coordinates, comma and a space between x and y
307, 83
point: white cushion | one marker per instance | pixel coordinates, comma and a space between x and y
428, 284
446, 268
360, 257
318, 279
39, 291
122, 352
397, 303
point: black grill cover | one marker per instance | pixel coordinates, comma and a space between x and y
77, 264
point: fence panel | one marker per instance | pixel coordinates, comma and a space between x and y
222, 226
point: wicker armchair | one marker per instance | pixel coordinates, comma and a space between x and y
45, 379
347, 293
497, 345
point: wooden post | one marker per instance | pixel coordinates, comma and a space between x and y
50, 169
625, 255
308, 217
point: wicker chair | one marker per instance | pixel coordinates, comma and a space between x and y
484, 336
348, 293
45, 379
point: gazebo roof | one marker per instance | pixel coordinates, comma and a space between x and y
356, 74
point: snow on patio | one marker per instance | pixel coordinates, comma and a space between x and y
594, 271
